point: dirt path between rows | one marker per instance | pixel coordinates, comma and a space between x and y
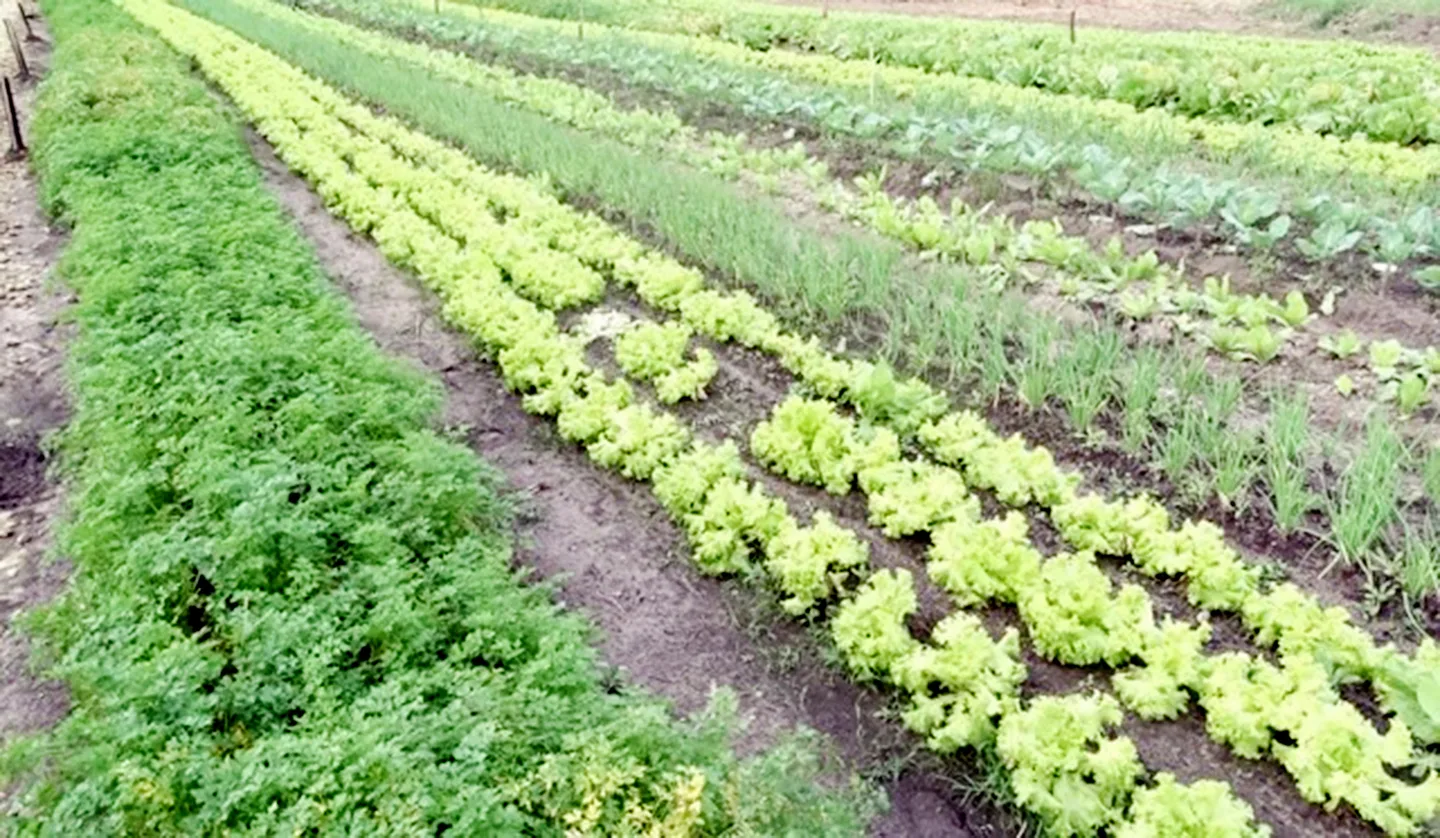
32, 404
615, 556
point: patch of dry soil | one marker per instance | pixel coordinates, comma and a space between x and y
32, 404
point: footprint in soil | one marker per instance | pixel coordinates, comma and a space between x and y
22, 473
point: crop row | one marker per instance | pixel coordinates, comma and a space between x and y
1334, 87
743, 238
1235, 325
618, 431
911, 407
1239, 325
950, 320
726, 518
1140, 162
292, 606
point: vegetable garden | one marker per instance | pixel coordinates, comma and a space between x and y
1075, 398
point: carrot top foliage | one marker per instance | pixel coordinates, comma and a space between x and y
293, 609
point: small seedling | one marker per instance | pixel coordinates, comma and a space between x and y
1343, 345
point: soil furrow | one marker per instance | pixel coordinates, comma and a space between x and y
33, 404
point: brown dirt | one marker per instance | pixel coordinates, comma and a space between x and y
613, 555
32, 404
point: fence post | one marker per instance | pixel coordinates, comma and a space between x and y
19, 53
1072, 26
25, 21
12, 122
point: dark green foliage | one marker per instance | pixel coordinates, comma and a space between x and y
293, 610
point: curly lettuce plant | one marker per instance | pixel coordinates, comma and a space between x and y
960, 683
1075, 618
810, 564
1063, 765
980, 561
1172, 663
869, 629
911, 496
807, 440
655, 352
735, 521
1202, 809
682, 484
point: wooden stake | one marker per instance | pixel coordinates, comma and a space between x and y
19, 53
1072, 26
25, 21
825, 9
12, 120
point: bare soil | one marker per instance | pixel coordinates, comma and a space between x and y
613, 554
32, 405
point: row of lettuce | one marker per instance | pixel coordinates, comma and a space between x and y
1330, 87
1262, 187
951, 321
408, 194
1239, 326
293, 609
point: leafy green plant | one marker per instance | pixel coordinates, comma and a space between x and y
1342, 345
960, 683
1412, 392
656, 352
1172, 658
1412, 689
869, 629
1065, 767
1386, 357
978, 561
1203, 809
811, 564
1075, 619
1328, 240
808, 441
